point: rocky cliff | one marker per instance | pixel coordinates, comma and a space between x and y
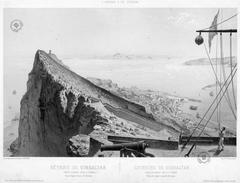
60, 104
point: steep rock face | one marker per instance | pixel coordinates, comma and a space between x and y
57, 106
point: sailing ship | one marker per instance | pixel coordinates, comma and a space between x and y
223, 83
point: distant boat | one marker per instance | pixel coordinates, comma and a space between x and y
211, 93
193, 107
198, 115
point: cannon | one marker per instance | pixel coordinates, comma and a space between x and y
133, 149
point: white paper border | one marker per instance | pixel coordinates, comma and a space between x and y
118, 170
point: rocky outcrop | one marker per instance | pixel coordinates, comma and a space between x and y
58, 105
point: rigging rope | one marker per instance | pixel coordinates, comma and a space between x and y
221, 22
220, 75
219, 83
218, 118
223, 68
234, 97
211, 114
221, 88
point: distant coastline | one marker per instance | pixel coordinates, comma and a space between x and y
205, 61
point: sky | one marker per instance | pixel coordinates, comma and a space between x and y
76, 33
98, 32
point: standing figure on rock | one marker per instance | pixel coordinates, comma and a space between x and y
221, 139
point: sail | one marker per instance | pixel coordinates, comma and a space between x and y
212, 27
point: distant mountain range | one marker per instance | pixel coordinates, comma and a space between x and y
205, 61
121, 56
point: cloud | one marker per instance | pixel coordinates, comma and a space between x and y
183, 19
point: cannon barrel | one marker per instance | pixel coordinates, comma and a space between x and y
138, 146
